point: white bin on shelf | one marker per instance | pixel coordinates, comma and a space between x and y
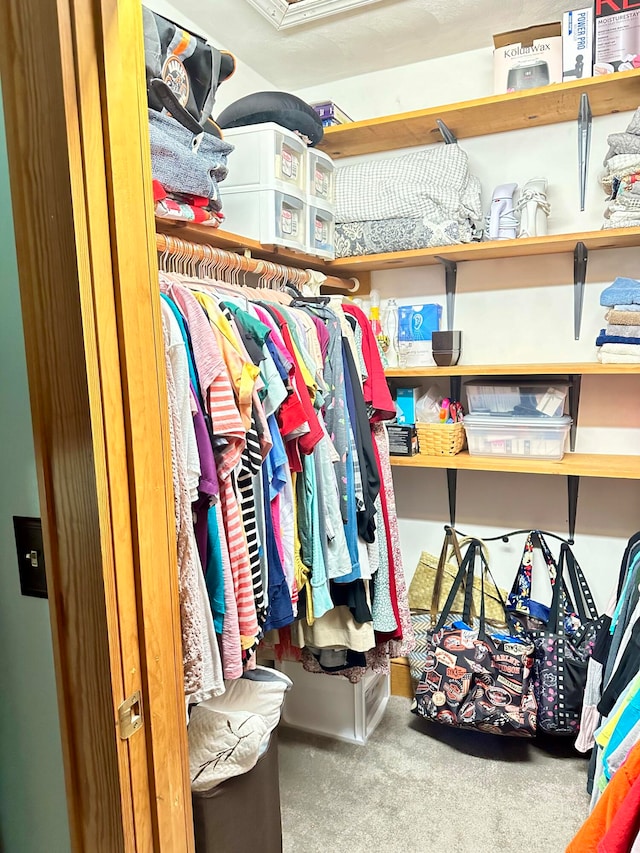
518, 396
330, 705
321, 177
264, 154
272, 217
321, 227
533, 438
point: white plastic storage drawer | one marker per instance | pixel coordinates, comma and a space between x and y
534, 438
321, 227
523, 398
321, 177
265, 154
267, 215
330, 705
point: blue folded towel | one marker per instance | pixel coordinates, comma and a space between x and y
604, 338
623, 291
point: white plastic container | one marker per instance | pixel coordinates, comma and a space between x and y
321, 228
523, 398
533, 438
264, 155
321, 177
272, 217
330, 705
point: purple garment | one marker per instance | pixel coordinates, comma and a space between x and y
208, 485
323, 335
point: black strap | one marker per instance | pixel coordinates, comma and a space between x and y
585, 605
462, 573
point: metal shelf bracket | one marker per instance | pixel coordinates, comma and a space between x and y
580, 258
573, 484
452, 486
450, 284
574, 406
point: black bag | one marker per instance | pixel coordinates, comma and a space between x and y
563, 649
473, 679
183, 72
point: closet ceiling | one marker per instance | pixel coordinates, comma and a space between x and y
371, 38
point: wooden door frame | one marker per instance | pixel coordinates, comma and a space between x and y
77, 137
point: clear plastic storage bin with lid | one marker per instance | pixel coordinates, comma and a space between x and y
268, 215
320, 177
264, 155
320, 230
524, 398
533, 438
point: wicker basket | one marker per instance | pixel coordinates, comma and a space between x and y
441, 439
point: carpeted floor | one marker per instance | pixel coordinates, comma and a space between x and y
424, 788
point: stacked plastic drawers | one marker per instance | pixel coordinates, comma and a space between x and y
517, 418
278, 191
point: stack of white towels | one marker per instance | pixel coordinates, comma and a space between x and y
619, 343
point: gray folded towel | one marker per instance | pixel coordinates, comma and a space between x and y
181, 168
619, 331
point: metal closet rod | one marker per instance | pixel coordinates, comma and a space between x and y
504, 537
227, 260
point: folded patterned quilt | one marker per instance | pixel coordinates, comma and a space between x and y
419, 200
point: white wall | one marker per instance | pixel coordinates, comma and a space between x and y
33, 811
511, 312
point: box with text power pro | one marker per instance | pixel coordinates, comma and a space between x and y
528, 58
617, 36
577, 44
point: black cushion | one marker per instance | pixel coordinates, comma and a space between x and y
280, 107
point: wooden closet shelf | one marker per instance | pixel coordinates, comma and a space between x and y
220, 239
573, 464
560, 369
553, 244
497, 114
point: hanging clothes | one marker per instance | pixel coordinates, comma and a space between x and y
280, 453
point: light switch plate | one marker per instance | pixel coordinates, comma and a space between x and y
28, 532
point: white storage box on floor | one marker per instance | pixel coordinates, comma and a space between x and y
534, 438
321, 177
264, 154
331, 705
321, 227
272, 217
520, 397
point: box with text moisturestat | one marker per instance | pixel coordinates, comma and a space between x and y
528, 58
617, 36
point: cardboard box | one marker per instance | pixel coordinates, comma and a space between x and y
617, 36
403, 440
577, 44
528, 58
406, 399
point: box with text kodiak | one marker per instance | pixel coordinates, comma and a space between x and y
617, 36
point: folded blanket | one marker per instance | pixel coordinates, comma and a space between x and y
623, 291
603, 338
621, 349
617, 358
